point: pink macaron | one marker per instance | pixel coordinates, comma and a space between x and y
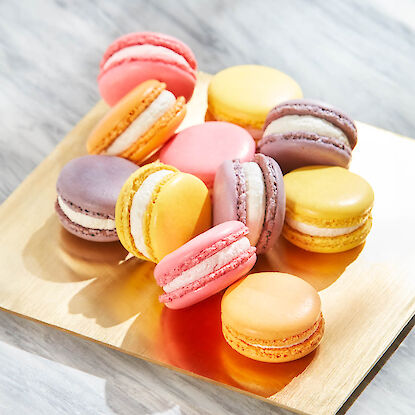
205, 265
201, 149
137, 57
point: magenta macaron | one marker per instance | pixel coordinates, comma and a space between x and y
137, 57
252, 193
305, 132
88, 189
205, 265
201, 149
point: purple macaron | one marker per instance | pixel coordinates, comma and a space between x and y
252, 193
304, 132
88, 189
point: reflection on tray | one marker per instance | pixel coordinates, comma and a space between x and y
320, 270
190, 339
193, 341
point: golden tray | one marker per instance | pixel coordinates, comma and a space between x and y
86, 288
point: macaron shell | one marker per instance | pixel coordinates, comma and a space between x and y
158, 134
322, 195
192, 297
270, 306
201, 149
97, 235
227, 201
225, 194
93, 183
119, 118
245, 94
275, 202
331, 244
316, 109
185, 256
124, 202
299, 149
280, 355
116, 82
182, 210
151, 38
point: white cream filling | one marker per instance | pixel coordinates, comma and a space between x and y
294, 123
142, 123
85, 220
255, 203
139, 206
209, 265
286, 345
145, 51
316, 231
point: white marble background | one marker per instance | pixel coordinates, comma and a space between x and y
357, 55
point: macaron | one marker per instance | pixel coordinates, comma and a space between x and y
201, 149
205, 265
328, 208
88, 189
139, 124
159, 209
245, 94
137, 57
272, 317
304, 132
251, 192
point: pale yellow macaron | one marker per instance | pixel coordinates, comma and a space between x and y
159, 209
328, 209
245, 94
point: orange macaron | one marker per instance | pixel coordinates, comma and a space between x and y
139, 124
272, 317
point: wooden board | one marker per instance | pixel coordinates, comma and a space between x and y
88, 289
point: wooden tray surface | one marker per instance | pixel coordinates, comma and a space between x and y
87, 289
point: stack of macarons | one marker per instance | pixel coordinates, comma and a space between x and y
265, 163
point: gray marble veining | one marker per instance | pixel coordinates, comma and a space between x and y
357, 55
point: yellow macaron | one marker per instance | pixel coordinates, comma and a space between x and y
159, 209
272, 317
245, 94
328, 209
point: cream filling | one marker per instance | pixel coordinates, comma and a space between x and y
286, 345
309, 123
145, 51
316, 231
142, 123
139, 206
85, 220
255, 203
209, 265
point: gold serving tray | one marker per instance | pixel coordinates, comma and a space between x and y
90, 290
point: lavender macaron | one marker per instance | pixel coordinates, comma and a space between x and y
304, 132
252, 193
88, 189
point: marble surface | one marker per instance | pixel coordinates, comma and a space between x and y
356, 55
